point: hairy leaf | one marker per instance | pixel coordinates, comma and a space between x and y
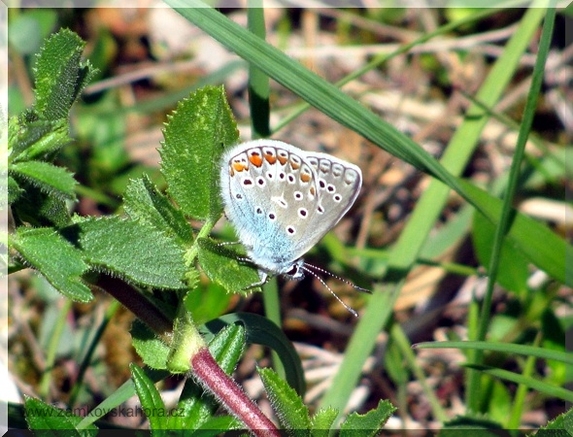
55, 258
47, 177
195, 136
133, 251
143, 202
60, 74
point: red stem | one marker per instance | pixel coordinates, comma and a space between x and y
212, 377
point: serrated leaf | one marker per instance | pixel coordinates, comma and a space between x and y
51, 421
60, 75
132, 251
150, 399
368, 424
55, 258
513, 266
194, 138
36, 139
143, 202
561, 426
288, 406
322, 421
47, 177
223, 267
196, 406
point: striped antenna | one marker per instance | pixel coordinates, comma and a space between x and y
311, 269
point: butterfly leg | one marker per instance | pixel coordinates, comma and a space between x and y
263, 278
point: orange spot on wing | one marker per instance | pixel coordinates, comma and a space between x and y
305, 177
255, 159
282, 159
238, 166
294, 165
271, 159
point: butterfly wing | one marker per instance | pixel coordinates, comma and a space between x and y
337, 185
282, 200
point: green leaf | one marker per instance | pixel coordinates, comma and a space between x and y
509, 348
217, 425
322, 421
195, 136
60, 75
224, 267
14, 192
554, 338
563, 423
150, 399
533, 383
499, 401
35, 139
207, 302
228, 346
263, 331
461, 426
47, 177
535, 240
51, 421
394, 364
121, 395
40, 209
55, 258
143, 202
132, 251
197, 407
288, 406
368, 424
513, 267
152, 350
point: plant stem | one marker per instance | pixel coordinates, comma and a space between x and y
230, 394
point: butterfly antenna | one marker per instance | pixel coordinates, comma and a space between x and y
313, 273
332, 275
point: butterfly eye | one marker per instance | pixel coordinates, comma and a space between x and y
295, 272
